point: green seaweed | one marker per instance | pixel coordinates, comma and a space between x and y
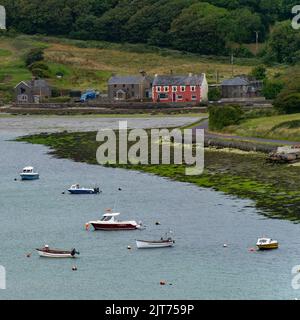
275, 189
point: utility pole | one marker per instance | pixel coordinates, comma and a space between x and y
257, 37
232, 62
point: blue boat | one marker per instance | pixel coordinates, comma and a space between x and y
29, 174
76, 189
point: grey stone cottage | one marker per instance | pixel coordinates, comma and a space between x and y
32, 91
241, 87
122, 88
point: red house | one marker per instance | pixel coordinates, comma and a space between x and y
191, 88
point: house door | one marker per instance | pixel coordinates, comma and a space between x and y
174, 96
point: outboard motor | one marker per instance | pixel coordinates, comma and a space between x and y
97, 190
73, 252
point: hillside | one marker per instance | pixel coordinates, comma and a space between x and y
89, 64
216, 27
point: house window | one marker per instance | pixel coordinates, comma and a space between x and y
132, 86
123, 85
163, 96
194, 97
179, 97
182, 88
158, 89
174, 89
115, 85
193, 88
166, 89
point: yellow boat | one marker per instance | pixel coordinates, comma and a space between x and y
267, 244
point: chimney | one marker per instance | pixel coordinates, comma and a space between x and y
143, 73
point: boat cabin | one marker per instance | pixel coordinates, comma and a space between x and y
75, 186
110, 217
28, 170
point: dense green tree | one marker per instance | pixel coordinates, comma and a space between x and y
284, 44
203, 26
200, 28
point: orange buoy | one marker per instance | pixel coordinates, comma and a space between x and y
162, 283
87, 226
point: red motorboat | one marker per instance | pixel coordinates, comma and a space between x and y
110, 223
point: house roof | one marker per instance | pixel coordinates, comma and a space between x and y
125, 80
237, 81
40, 83
193, 80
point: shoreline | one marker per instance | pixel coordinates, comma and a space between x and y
274, 189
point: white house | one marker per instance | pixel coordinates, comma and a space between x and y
2, 18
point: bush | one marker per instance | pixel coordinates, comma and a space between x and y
40, 73
259, 73
34, 55
214, 94
220, 117
288, 102
272, 89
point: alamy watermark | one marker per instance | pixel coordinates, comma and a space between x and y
296, 19
2, 18
2, 278
155, 146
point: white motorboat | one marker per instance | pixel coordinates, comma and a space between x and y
110, 223
29, 174
267, 244
76, 189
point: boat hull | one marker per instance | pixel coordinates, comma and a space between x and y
271, 246
33, 176
113, 227
154, 244
88, 191
55, 255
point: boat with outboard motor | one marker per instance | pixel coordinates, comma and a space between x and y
76, 189
46, 252
164, 242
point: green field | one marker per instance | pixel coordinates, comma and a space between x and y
89, 64
281, 127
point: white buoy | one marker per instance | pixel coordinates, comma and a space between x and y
225, 245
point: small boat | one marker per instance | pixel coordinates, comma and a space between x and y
76, 189
46, 252
110, 223
267, 244
29, 174
164, 242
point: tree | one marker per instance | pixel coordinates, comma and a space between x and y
272, 88
200, 29
259, 73
34, 55
288, 102
220, 117
284, 44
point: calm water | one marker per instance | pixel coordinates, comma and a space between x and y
36, 213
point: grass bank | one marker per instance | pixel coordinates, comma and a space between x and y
274, 189
281, 127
